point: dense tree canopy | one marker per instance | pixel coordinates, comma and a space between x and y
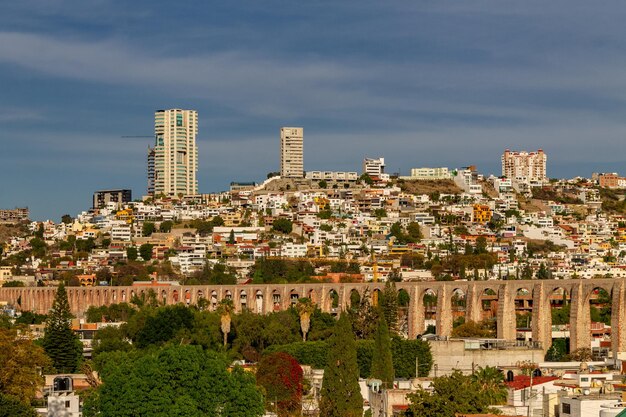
452, 394
173, 381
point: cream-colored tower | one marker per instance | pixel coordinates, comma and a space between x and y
175, 152
291, 152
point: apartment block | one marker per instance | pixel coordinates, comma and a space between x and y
524, 166
440, 173
291, 152
175, 152
374, 167
119, 197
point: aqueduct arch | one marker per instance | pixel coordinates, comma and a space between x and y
267, 298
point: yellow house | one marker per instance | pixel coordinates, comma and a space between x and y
482, 213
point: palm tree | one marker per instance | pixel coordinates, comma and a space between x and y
491, 381
224, 309
305, 308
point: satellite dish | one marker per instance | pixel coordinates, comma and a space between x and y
586, 391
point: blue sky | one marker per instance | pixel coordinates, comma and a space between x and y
422, 83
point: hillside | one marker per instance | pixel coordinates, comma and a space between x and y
429, 187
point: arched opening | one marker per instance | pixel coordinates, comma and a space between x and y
243, 300
164, 296
313, 296
228, 295
559, 302
175, 296
276, 300
355, 298
187, 297
333, 298
489, 312
458, 303
600, 308
429, 301
404, 299
213, 302
523, 314
293, 298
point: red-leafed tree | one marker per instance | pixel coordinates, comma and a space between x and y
280, 375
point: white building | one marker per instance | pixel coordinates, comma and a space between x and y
524, 166
374, 167
440, 173
291, 152
175, 152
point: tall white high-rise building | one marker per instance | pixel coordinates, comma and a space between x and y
291, 152
175, 152
524, 166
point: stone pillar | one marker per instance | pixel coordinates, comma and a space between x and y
444, 312
473, 306
413, 319
506, 314
579, 319
618, 318
542, 317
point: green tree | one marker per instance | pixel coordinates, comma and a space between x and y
389, 306
365, 177
281, 376
231, 237
382, 362
414, 231
340, 394
132, 253
67, 219
148, 228
12, 407
491, 383
282, 225
145, 251
166, 226
322, 184
452, 394
174, 381
363, 317
60, 342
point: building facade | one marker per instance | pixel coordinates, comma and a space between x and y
440, 173
102, 197
150, 159
291, 152
374, 167
524, 166
175, 152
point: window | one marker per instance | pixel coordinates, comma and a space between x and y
67, 404
566, 408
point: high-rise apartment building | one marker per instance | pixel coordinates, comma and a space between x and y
524, 166
150, 158
175, 152
374, 167
291, 152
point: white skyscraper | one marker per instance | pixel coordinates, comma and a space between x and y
292, 152
175, 152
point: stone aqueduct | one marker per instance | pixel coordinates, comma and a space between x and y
263, 299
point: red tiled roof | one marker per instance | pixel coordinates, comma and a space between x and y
523, 381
